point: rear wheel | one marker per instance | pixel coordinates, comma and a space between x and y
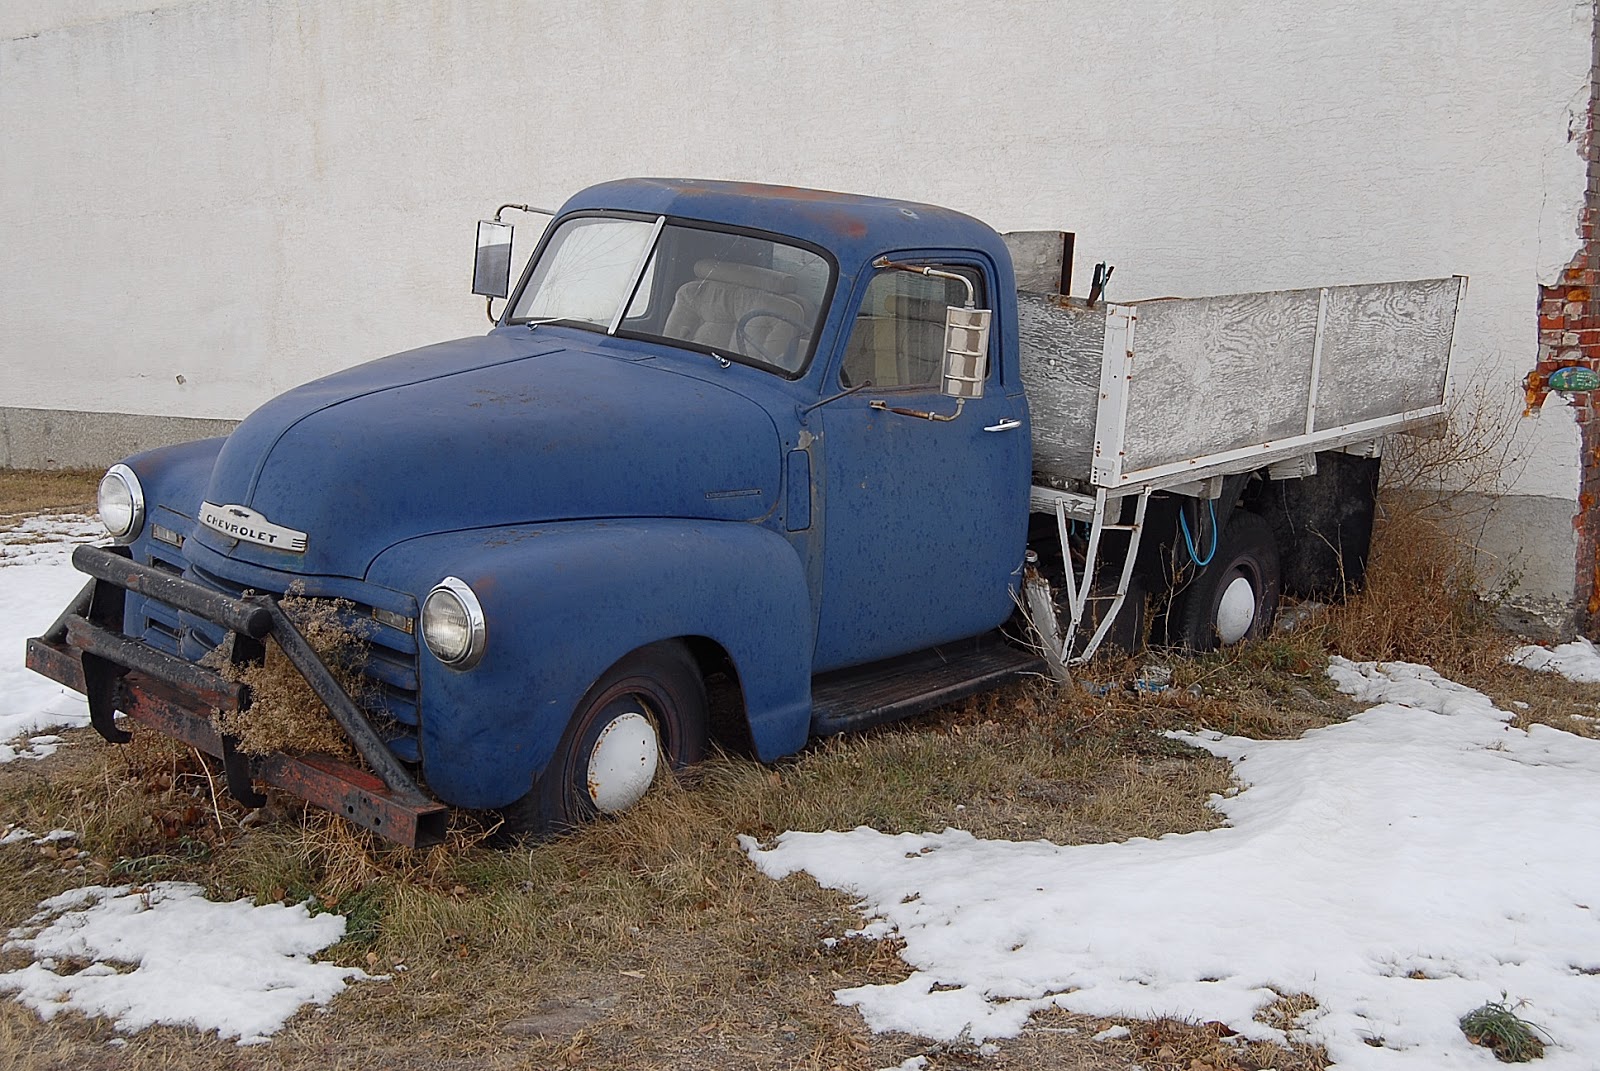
645, 716
1235, 597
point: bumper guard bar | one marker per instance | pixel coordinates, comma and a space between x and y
85, 649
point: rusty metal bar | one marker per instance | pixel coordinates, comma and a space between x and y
78, 607
210, 689
53, 659
248, 618
169, 709
357, 796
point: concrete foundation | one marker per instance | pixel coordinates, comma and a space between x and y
1523, 549
66, 439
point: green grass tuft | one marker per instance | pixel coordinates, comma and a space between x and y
1496, 1026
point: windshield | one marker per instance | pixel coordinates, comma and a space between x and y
745, 297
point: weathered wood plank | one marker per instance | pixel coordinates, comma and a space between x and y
1036, 258
1218, 374
1061, 352
1384, 349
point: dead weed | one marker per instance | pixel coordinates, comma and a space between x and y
285, 713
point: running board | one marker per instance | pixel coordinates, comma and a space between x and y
863, 696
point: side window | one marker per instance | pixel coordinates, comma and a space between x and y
898, 337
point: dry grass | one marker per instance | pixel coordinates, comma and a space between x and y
1421, 602
649, 940
1176, 1045
26, 491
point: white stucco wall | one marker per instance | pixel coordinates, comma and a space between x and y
248, 194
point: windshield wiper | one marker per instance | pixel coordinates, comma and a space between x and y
531, 324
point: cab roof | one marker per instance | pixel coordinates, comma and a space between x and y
853, 227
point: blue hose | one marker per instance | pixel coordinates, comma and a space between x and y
1188, 540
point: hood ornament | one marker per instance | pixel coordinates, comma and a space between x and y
246, 525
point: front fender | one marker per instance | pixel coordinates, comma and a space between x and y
565, 601
173, 479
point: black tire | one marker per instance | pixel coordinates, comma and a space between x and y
660, 683
1211, 611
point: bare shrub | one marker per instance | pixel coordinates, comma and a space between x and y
1423, 598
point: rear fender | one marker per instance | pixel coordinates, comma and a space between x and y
565, 601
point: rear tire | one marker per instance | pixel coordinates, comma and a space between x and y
1235, 597
646, 715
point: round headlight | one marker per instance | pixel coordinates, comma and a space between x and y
121, 502
452, 624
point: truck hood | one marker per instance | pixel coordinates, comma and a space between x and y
483, 432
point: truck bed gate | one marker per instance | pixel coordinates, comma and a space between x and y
85, 649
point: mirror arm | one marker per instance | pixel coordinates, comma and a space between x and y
522, 208
883, 406
885, 264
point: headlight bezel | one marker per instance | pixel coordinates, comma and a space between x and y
129, 481
455, 590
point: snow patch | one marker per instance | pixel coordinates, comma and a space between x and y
30, 599
163, 953
1576, 661
910, 1063
1401, 868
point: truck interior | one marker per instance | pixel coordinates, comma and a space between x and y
742, 296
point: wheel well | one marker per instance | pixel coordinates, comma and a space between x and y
725, 707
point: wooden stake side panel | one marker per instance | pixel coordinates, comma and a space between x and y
1216, 381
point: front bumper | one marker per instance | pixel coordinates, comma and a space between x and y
86, 650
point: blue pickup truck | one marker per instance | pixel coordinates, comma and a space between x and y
735, 461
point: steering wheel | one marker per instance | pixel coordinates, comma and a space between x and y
748, 345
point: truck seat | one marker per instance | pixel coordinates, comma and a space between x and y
899, 345
708, 309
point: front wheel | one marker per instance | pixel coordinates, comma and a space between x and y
646, 715
1235, 597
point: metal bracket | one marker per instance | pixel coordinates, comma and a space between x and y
1293, 468
1080, 587
1039, 606
1370, 449
100, 680
236, 768
1209, 489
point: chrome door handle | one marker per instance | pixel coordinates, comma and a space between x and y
1005, 425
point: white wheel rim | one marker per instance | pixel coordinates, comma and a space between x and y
623, 763
1236, 610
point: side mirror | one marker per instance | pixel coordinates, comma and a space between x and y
491, 270
966, 351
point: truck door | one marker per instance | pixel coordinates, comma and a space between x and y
925, 522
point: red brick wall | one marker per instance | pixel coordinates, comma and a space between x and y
1569, 334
